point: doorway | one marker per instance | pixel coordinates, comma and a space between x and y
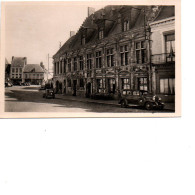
57, 86
88, 90
74, 87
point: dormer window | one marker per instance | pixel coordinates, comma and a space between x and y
83, 40
125, 25
101, 34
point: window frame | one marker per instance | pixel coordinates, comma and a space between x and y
81, 63
141, 50
110, 57
169, 88
126, 25
124, 55
69, 64
100, 33
127, 83
98, 59
89, 61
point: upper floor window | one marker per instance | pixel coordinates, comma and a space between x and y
170, 47
69, 83
124, 55
13, 69
110, 57
16, 70
64, 65
69, 64
140, 52
126, 25
81, 62
98, 57
101, 34
75, 64
89, 61
20, 70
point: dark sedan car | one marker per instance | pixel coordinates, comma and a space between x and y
49, 93
140, 98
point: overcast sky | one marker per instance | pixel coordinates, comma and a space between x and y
35, 30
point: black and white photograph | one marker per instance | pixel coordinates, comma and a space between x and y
91, 58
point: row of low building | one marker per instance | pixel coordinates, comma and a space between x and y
19, 71
120, 47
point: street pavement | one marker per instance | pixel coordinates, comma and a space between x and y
29, 99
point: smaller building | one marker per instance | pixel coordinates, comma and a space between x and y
17, 66
34, 74
7, 70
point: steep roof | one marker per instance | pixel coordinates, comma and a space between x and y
18, 61
166, 12
6, 61
111, 15
33, 68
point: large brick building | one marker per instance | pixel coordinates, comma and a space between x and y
111, 51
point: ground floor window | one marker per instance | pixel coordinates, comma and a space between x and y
69, 82
143, 83
125, 84
167, 86
99, 85
81, 83
111, 86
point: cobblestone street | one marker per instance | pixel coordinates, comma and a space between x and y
29, 99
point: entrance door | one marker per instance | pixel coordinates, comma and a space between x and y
57, 86
111, 86
64, 86
88, 89
74, 87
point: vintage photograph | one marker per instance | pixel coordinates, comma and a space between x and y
91, 58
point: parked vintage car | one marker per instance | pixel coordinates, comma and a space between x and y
8, 84
140, 98
49, 93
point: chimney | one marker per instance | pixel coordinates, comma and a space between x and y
91, 10
72, 33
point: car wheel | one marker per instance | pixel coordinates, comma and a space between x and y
148, 106
123, 103
161, 107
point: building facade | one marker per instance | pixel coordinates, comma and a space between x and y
34, 74
17, 66
163, 54
7, 70
110, 52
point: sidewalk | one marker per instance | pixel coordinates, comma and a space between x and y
168, 106
83, 99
